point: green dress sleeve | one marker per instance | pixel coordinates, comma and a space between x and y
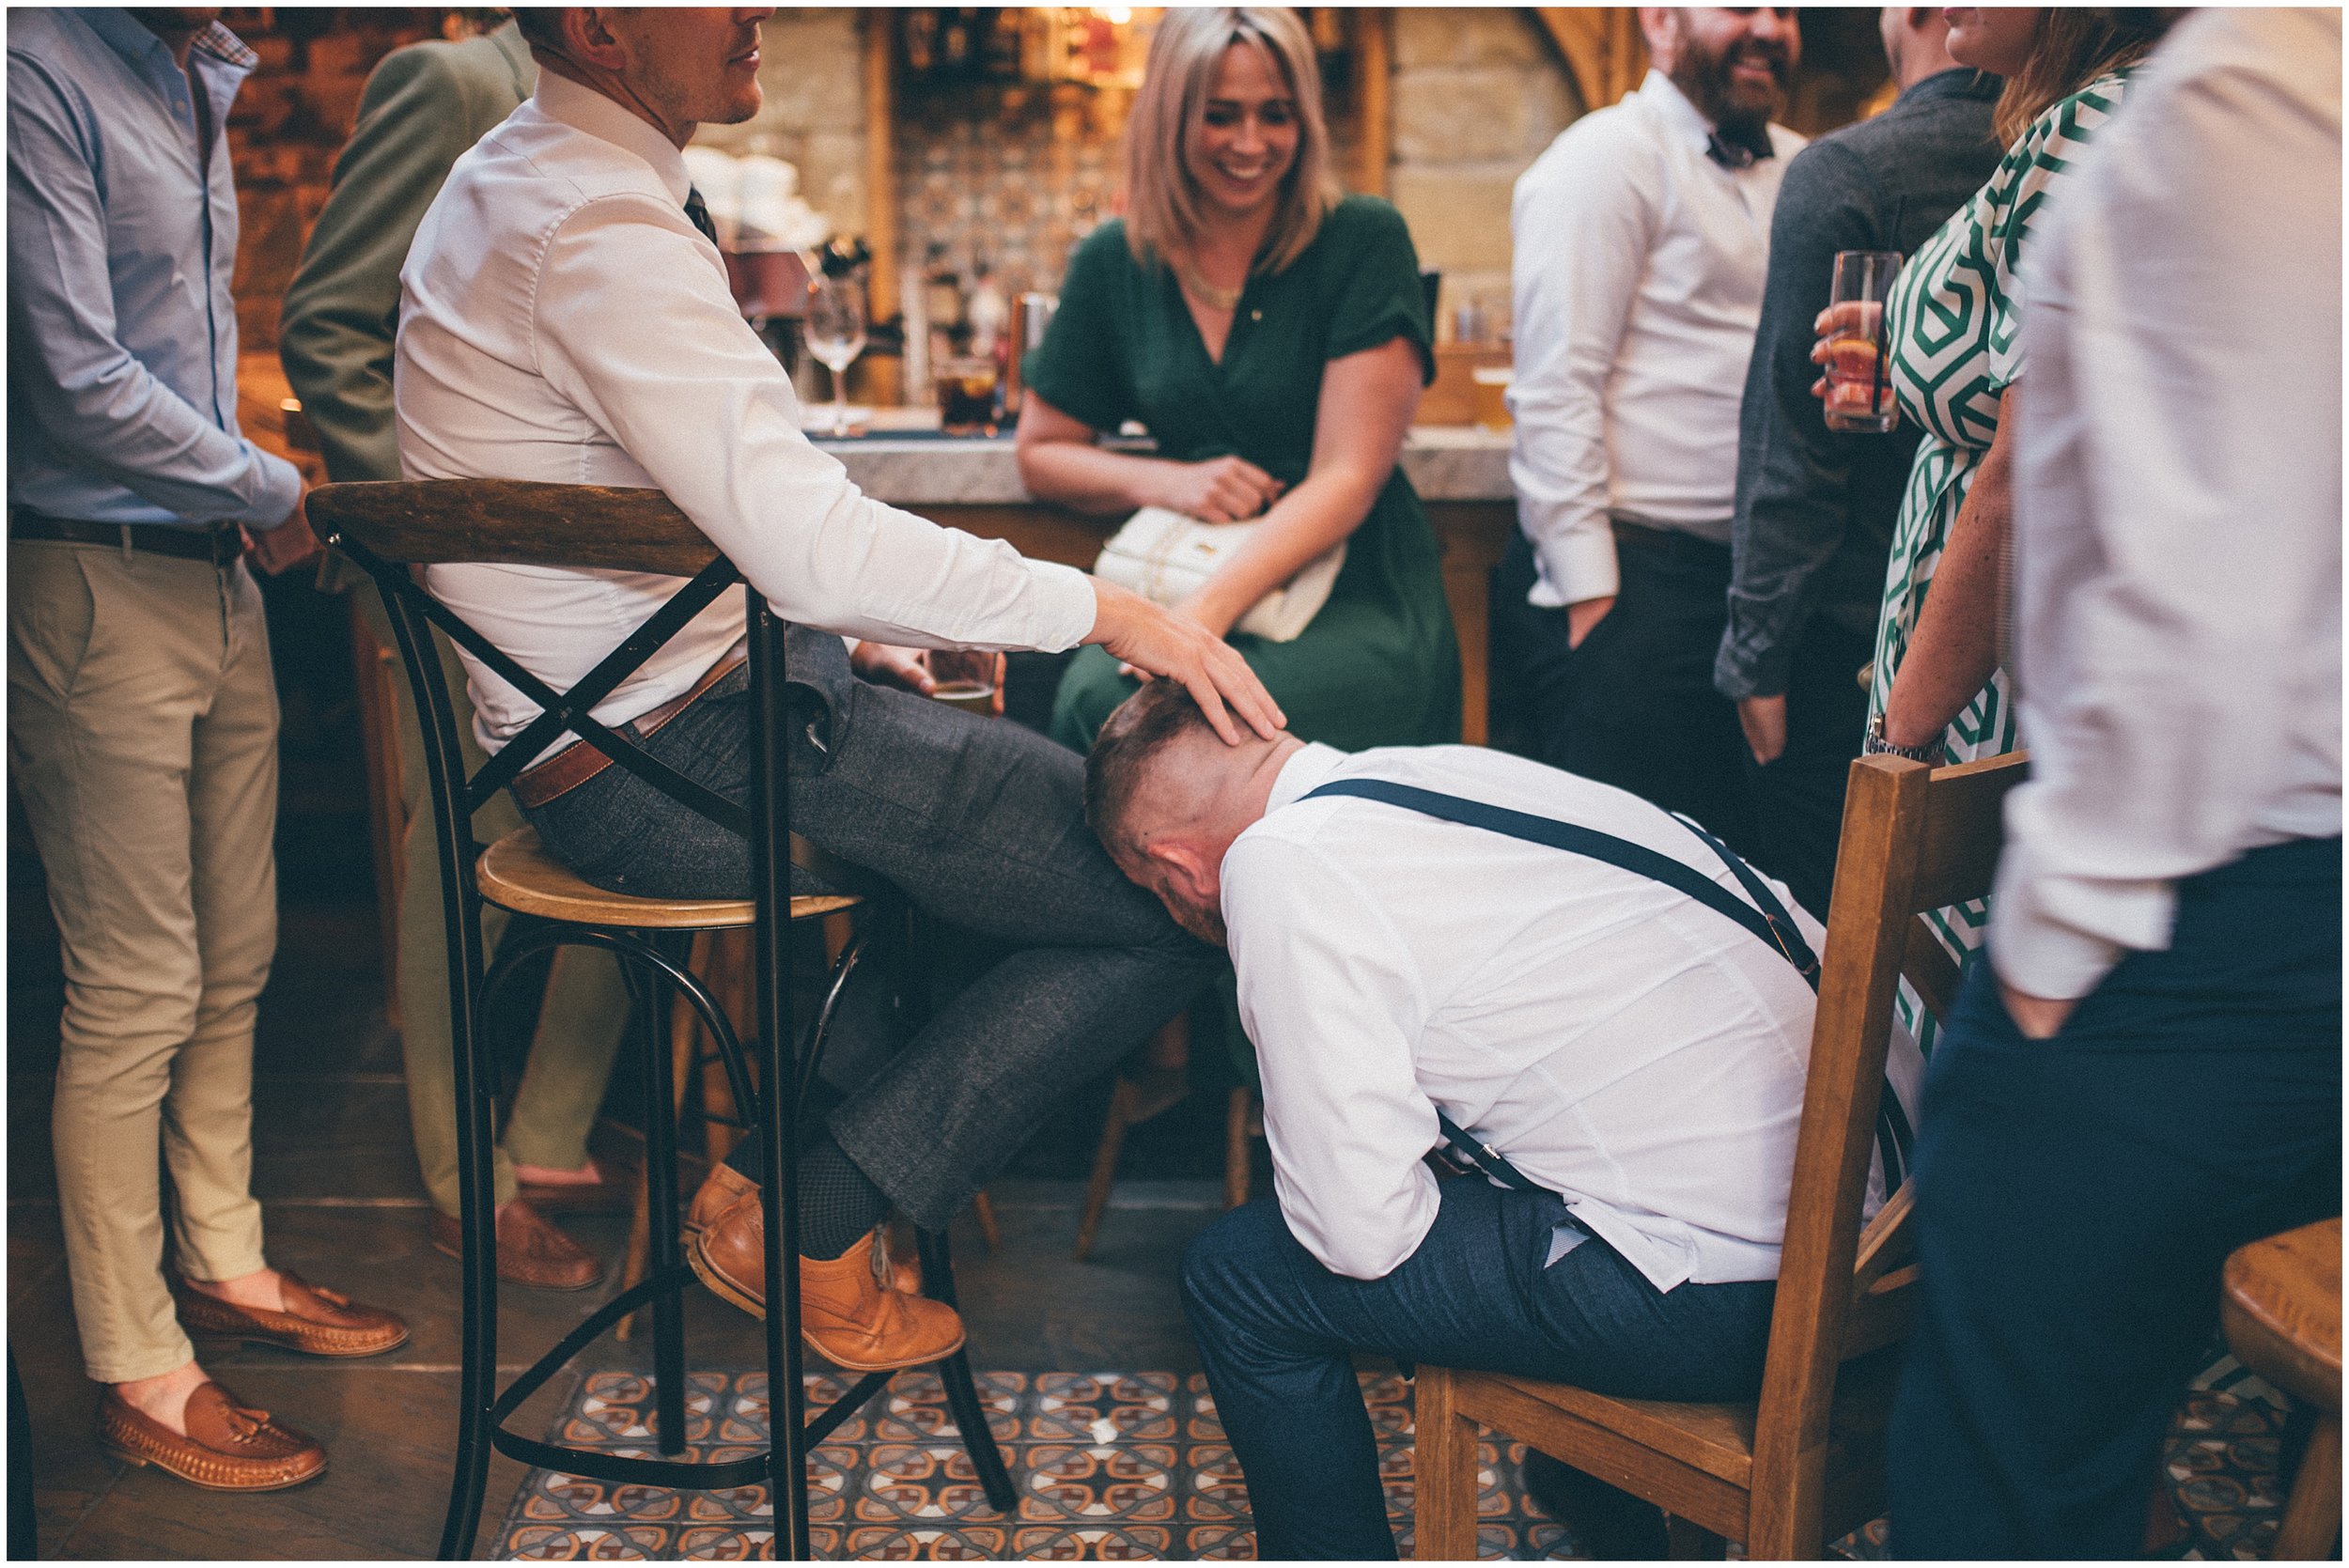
1376, 295
1080, 367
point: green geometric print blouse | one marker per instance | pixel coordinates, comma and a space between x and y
1956, 308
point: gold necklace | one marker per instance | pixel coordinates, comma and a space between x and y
1209, 295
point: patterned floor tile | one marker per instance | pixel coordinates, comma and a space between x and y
1129, 1465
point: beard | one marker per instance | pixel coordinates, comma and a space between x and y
1202, 920
1703, 75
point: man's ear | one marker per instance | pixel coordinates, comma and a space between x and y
1660, 26
1187, 869
586, 29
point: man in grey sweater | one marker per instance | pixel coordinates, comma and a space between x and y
1814, 508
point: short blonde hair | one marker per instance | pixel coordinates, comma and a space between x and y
1162, 214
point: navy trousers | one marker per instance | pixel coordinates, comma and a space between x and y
1277, 1331
2076, 1197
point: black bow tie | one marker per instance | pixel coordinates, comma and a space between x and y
1739, 149
698, 211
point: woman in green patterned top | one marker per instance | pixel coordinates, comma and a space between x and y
1954, 358
1273, 339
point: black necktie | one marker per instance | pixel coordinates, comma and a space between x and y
1739, 149
698, 211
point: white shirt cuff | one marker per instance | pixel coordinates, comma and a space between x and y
1573, 567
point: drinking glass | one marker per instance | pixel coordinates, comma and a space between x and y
835, 335
970, 679
966, 395
1860, 394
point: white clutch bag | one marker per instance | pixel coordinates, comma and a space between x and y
1165, 558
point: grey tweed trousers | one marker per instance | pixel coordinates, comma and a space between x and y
981, 824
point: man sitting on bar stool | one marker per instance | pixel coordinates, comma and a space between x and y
566, 319
1636, 1060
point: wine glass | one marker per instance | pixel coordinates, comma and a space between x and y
836, 335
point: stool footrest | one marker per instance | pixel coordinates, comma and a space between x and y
623, 1470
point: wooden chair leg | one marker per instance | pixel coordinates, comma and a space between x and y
1444, 1516
983, 1210
1236, 1150
1121, 1116
2313, 1517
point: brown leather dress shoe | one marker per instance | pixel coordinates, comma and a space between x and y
530, 1252
725, 1187
848, 1314
316, 1321
613, 1191
229, 1447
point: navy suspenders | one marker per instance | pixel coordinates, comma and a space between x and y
1766, 916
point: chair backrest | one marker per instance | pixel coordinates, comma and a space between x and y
1914, 839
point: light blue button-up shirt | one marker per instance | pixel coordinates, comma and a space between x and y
122, 240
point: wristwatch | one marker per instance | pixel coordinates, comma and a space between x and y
1875, 745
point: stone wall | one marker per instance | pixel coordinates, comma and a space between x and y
812, 66
1477, 94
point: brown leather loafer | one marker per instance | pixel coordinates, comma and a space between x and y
229, 1447
530, 1252
725, 1187
316, 1321
613, 1191
849, 1315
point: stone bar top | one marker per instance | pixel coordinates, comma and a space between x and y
1446, 463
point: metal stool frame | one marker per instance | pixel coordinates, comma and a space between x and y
388, 528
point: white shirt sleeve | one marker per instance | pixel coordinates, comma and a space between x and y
1581, 224
1333, 1001
634, 325
2179, 504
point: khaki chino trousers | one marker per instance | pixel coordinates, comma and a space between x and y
143, 736
586, 1010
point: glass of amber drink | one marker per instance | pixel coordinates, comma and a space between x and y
1858, 375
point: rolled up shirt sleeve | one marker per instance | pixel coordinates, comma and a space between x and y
1332, 1004
678, 381
1581, 223
70, 373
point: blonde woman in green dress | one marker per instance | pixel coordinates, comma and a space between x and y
1273, 337
1936, 690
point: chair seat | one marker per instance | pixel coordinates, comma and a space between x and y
2282, 1311
518, 873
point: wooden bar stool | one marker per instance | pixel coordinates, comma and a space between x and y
2280, 1308
1803, 1464
391, 528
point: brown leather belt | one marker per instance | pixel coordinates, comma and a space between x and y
219, 545
575, 764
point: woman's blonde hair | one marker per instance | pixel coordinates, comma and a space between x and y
1162, 210
2074, 46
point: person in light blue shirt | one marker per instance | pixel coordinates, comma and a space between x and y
142, 718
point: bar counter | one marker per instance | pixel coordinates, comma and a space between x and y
1461, 473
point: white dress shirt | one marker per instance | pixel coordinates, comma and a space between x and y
2178, 498
1638, 276
563, 320
1620, 1043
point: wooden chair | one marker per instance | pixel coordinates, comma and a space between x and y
2280, 1308
1802, 1464
389, 529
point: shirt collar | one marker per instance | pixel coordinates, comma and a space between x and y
1669, 103
1304, 772
583, 108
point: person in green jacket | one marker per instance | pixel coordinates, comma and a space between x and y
423, 108
1273, 336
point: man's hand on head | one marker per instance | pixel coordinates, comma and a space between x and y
1158, 641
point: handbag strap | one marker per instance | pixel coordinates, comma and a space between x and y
1766, 917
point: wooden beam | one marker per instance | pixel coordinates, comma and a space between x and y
881, 166
1374, 53
1602, 46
